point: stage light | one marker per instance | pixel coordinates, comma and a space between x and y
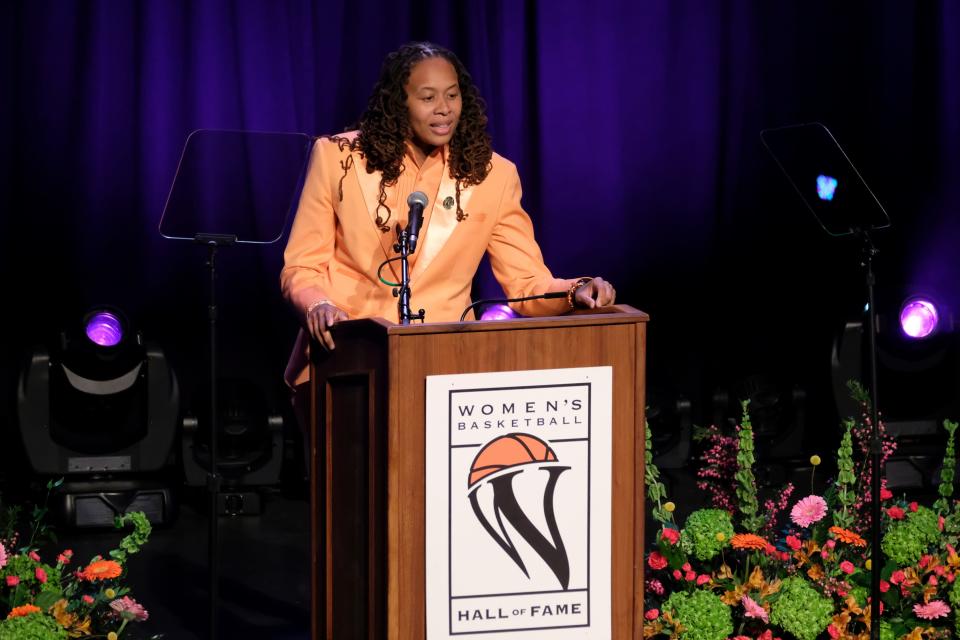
498, 312
105, 329
826, 186
99, 406
918, 318
249, 443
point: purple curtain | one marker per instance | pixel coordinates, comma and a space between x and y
635, 126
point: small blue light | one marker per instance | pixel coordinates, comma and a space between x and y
825, 187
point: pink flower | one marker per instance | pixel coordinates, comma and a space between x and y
809, 510
897, 577
702, 579
940, 522
794, 542
657, 561
885, 494
677, 575
652, 614
884, 586
913, 507
833, 631
12, 581
129, 609
752, 609
690, 576
931, 610
655, 586
686, 566
670, 535
924, 560
831, 543
3, 556
847, 567
896, 513
34, 556
40, 574
824, 554
87, 599
933, 581
784, 556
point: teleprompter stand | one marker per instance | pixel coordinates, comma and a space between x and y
231, 187
843, 204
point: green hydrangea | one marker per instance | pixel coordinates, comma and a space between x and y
954, 594
886, 631
34, 626
906, 540
800, 609
700, 534
702, 615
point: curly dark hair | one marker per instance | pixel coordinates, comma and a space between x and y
385, 125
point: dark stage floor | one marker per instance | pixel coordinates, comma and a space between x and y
264, 588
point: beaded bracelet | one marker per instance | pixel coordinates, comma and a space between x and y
572, 291
316, 303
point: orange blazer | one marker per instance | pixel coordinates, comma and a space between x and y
335, 246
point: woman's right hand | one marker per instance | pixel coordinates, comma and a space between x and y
319, 320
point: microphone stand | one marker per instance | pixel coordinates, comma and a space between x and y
876, 442
403, 293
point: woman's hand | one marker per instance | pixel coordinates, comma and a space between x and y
319, 320
595, 293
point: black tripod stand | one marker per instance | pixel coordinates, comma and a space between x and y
244, 182
843, 204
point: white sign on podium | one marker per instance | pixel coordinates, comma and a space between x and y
518, 495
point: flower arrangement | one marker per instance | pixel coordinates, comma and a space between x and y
42, 600
800, 567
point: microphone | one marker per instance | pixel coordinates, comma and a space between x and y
542, 296
416, 201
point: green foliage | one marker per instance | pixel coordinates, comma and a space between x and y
906, 540
942, 505
859, 393
800, 609
746, 482
656, 492
32, 627
137, 538
701, 614
845, 478
700, 533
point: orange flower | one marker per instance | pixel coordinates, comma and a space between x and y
748, 541
102, 570
25, 610
845, 535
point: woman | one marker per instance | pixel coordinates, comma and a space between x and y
424, 129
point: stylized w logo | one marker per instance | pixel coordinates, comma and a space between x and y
503, 453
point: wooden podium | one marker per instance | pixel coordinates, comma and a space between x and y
368, 452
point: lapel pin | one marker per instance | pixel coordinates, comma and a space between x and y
448, 202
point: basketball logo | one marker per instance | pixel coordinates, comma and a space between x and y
497, 464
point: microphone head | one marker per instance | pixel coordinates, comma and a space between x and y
417, 197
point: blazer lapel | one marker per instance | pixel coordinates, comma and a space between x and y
370, 188
440, 222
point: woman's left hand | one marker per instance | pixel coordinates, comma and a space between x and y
595, 293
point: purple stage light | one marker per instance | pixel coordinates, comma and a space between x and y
918, 318
498, 312
105, 329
